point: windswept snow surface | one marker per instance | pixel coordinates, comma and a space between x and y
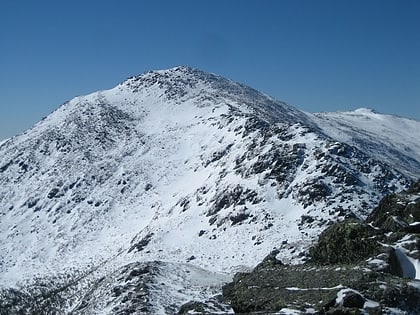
181, 166
390, 138
3, 141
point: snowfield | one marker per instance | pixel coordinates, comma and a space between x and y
185, 167
392, 138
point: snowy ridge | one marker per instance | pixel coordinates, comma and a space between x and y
178, 166
390, 138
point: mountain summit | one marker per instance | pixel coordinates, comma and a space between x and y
184, 168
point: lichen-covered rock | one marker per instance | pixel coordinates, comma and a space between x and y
298, 287
192, 307
331, 289
345, 242
356, 267
398, 212
214, 305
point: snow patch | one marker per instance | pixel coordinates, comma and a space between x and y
289, 311
310, 289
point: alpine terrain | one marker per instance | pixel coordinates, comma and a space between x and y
149, 197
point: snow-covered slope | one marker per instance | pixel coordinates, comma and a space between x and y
179, 166
390, 138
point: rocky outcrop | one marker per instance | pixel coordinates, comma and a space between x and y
369, 267
136, 288
399, 213
309, 288
345, 243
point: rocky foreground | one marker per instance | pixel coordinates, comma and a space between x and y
369, 267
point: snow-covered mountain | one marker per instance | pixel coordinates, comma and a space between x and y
389, 138
189, 169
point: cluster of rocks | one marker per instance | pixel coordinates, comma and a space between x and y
357, 267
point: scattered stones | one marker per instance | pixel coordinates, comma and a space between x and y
341, 276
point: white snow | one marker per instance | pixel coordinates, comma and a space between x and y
3, 142
316, 289
147, 161
289, 311
341, 294
371, 304
387, 137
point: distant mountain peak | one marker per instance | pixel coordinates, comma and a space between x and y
183, 83
365, 110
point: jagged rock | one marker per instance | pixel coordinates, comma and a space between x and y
345, 242
352, 299
136, 288
192, 307
341, 277
40, 296
270, 260
397, 211
269, 289
394, 264
308, 286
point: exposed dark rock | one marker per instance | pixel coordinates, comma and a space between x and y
346, 242
32, 202
53, 192
397, 211
236, 219
341, 277
127, 290
394, 264
352, 299
269, 289
214, 305
184, 204
40, 296
217, 155
305, 219
235, 196
139, 246
269, 260
314, 191
413, 228
192, 307
6, 166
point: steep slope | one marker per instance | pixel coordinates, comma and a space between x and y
390, 138
178, 166
357, 267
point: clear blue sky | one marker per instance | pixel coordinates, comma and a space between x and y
315, 55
